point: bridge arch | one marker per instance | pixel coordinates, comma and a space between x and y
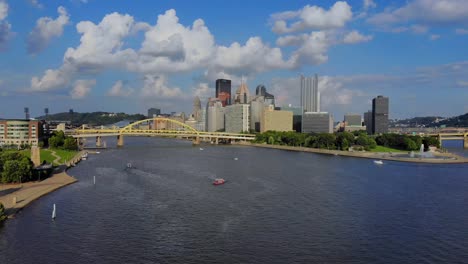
159, 119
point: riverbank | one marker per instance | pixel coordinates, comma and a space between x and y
31, 191
442, 158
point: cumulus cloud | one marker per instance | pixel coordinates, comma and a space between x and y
367, 4
82, 88
203, 91
119, 90
46, 29
52, 79
3, 10
428, 12
157, 86
354, 37
461, 31
5, 27
36, 3
434, 37
312, 17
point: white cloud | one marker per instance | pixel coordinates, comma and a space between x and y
356, 37
36, 3
157, 86
52, 79
313, 50
312, 17
203, 91
5, 27
82, 88
46, 29
369, 4
434, 37
430, 12
461, 31
292, 40
462, 83
119, 90
419, 29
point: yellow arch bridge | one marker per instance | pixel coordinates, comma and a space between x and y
161, 127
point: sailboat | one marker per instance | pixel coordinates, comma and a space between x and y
54, 213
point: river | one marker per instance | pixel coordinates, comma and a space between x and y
276, 207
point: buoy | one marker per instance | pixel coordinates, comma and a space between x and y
54, 213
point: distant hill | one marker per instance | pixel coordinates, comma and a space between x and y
94, 118
432, 121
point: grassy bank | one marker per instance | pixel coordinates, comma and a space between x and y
386, 149
46, 154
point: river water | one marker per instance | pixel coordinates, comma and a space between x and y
276, 207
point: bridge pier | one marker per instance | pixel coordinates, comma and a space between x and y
196, 141
217, 141
98, 141
465, 140
120, 140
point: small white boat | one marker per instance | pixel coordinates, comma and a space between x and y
235, 158
201, 148
129, 165
97, 152
379, 162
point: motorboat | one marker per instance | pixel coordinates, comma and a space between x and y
378, 162
129, 165
84, 156
201, 148
219, 181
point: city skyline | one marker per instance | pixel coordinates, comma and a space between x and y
358, 48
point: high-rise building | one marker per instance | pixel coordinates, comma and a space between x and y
46, 112
310, 95
268, 98
197, 110
223, 91
26, 113
352, 119
237, 118
317, 122
242, 94
276, 120
153, 112
297, 116
257, 106
214, 115
380, 115
368, 122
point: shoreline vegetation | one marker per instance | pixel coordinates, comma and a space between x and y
442, 158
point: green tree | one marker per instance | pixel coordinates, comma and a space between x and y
11, 171
70, 144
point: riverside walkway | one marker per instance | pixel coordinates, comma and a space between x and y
30, 191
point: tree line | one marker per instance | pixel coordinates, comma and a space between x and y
58, 140
359, 140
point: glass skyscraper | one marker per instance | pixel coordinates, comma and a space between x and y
310, 96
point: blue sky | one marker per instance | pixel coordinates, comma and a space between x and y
128, 56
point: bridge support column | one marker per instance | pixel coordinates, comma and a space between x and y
120, 140
465, 140
98, 141
217, 141
196, 141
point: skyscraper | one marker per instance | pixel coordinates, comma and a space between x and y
269, 98
153, 112
197, 110
26, 113
380, 115
368, 122
242, 93
214, 115
310, 95
223, 91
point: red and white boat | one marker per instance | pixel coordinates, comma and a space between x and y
219, 181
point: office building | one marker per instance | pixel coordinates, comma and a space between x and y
317, 122
237, 118
380, 115
223, 91
242, 94
310, 95
214, 115
268, 98
257, 106
297, 116
153, 112
197, 110
368, 122
353, 120
26, 113
19, 132
276, 120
